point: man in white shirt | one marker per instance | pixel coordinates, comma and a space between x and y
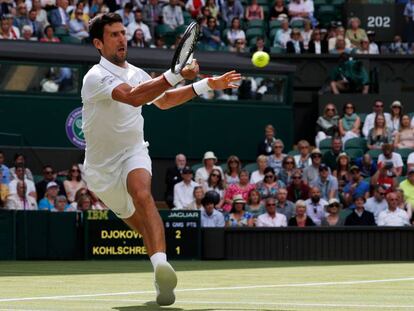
210, 217
137, 23
315, 206
370, 119
209, 161
183, 191
29, 185
117, 165
393, 216
299, 10
172, 14
20, 200
271, 218
377, 203
410, 161
388, 155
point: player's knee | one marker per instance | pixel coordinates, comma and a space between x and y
143, 197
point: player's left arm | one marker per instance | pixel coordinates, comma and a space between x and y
176, 97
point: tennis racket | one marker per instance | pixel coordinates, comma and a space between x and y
184, 52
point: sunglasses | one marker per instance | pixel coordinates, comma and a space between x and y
48, 172
233, 161
349, 107
277, 147
289, 162
270, 204
296, 177
215, 175
269, 176
381, 193
330, 109
334, 205
74, 170
379, 106
316, 156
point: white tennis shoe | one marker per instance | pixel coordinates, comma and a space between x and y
165, 283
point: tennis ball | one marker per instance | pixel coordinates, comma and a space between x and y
260, 59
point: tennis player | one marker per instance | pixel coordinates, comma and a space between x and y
117, 164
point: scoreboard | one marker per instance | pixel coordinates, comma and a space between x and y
108, 237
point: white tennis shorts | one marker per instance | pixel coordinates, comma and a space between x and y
115, 195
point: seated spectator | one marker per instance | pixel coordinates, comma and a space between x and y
298, 189
278, 10
254, 204
138, 40
4, 190
380, 134
408, 187
254, 11
330, 157
211, 35
363, 48
405, 136
315, 206
341, 172
78, 28
300, 10
152, 12
270, 184
327, 183
385, 176
295, 44
350, 124
20, 200
349, 76
378, 108
231, 9
377, 203
20, 176
265, 147
84, 203
397, 47
339, 32
288, 168
41, 15
88, 200
316, 44
20, 160
306, 33
373, 47
74, 182
21, 18
126, 13
59, 18
333, 218
231, 176
210, 216
340, 46
5, 170
48, 176
301, 219
238, 217
49, 35
7, 30
215, 183
405, 206
213, 8
275, 159
356, 187
235, 32
61, 205
327, 124
396, 115
194, 7
271, 218
303, 160
359, 216
183, 191
48, 202
282, 35
258, 175
172, 14
198, 195
388, 155
367, 166
27, 34
393, 216
243, 188
172, 177
283, 205
311, 173
36, 27
260, 46
240, 46
209, 161
355, 33
139, 24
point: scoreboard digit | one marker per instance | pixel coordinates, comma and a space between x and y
107, 237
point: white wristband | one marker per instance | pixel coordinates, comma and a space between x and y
172, 78
201, 87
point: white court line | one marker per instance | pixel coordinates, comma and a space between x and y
210, 289
286, 304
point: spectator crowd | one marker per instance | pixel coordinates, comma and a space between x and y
294, 27
360, 173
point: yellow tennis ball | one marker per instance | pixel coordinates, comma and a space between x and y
260, 59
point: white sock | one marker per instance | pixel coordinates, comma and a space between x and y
158, 258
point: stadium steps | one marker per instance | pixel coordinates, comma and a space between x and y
20, 78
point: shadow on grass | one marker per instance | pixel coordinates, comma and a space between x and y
40, 268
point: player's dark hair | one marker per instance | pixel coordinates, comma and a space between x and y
97, 24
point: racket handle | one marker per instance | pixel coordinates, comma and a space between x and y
190, 64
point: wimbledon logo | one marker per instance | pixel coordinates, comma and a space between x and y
74, 128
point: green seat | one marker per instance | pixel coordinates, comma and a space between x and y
37, 178
293, 152
251, 167
354, 153
325, 143
401, 178
164, 30
319, 2
275, 24
297, 24
256, 23
223, 167
70, 40
195, 167
181, 29
273, 33
254, 33
338, 2
356, 143
277, 50
326, 14
404, 153
62, 178
61, 31
374, 153
261, 2
362, 116
265, 12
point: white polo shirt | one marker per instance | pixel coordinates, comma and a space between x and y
113, 130
265, 220
395, 218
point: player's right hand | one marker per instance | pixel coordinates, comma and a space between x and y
226, 81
